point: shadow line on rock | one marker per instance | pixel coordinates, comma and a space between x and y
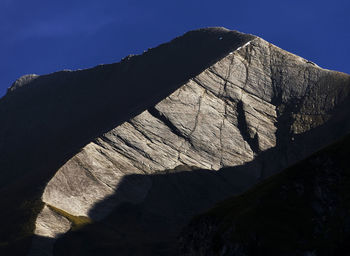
151, 225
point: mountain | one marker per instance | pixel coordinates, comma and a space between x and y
118, 158
305, 210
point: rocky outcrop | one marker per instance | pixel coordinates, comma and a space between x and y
47, 121
226, 116
49, 224
22, 81
209, 114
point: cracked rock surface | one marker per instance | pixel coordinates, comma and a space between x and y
224, 117
240, 109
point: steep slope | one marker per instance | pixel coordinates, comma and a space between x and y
139, 143
253, 106
69, 108
305, 210
45, 121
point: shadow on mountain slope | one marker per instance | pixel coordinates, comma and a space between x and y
151, 227
305, 210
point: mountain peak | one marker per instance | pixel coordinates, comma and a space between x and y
164, 134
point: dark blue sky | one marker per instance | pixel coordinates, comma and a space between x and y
40, 36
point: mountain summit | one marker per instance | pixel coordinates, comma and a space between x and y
118, 158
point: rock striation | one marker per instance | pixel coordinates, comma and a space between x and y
243, 110
224, 117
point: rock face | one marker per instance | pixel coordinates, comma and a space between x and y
224, 117
243, 110
48, 224
22, 81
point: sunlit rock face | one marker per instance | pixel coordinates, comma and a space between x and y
217, 119
228, 115
170, 132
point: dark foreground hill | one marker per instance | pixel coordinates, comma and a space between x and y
305, 210
118, 158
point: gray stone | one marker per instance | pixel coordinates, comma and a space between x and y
165, 134
226, 116
22, 81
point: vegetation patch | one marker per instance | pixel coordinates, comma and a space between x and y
77, 221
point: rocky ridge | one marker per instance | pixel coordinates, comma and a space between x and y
22, 81
224, 117
230, 109
47, 121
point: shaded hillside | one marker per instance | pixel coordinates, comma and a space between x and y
305, 210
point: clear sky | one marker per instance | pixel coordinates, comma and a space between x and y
41, 36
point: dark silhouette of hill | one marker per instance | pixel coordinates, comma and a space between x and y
303, 210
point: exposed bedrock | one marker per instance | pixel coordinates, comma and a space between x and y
157, 138
256, 109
